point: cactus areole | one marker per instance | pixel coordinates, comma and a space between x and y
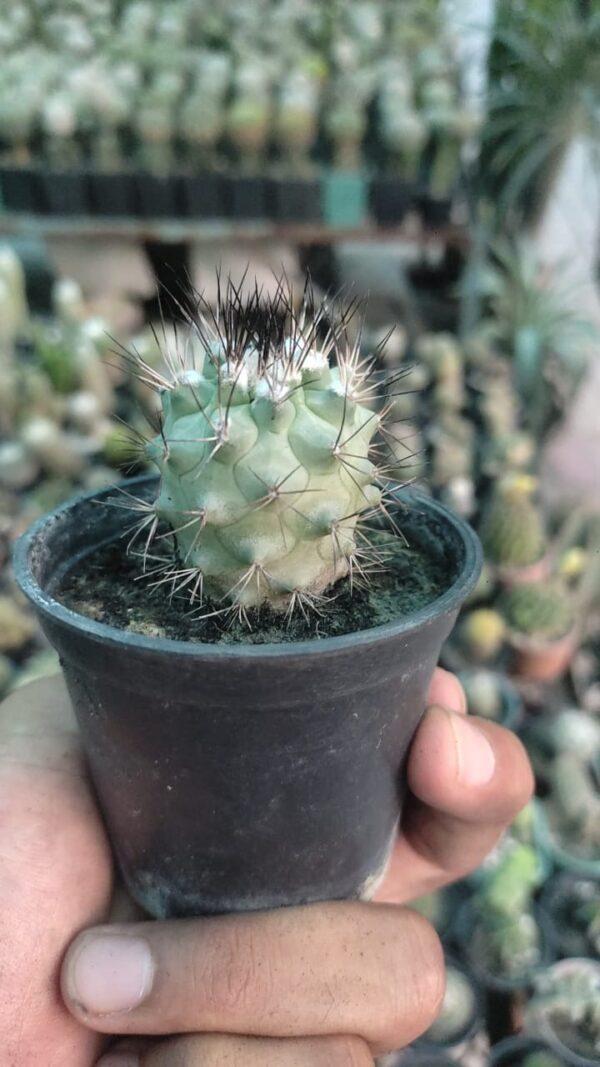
237, 775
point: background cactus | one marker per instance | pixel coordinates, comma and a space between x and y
506, 935
538, 609
512, 530
266, 456
567, 1001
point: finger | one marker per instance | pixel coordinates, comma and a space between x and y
446, 691
218, 1050
55, 870
325, 969
468, 778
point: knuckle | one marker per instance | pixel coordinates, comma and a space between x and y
416, 980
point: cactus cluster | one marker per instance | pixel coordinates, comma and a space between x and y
566, 1001
506, 936
269, 468
177, 80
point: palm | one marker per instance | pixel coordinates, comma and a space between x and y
56, 876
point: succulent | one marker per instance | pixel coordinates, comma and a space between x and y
457, 1011
483, 692
296, 117
267, 467
481, 633
506, 932
14, 311
345, 121
512, 529
566, 1001
249, 115
573, 805
541, 610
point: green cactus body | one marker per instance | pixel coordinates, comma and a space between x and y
512, 531
265, 468
538, 609
542, 1059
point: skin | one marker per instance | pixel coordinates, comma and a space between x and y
278, 988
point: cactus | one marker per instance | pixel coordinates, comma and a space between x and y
402, 129
481, 634
296, 118
573, 805
506, 933
483, 692
248, 118
457, 1011
566, 1001
540, 610
512, 530
265, 455
14, 312
542, 1059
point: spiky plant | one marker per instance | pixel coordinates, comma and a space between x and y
269, 474
566, 1002
506, 935
512, 529
540, 610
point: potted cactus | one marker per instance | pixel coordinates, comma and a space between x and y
19, 111
565, 1010
201, 120
64, 179
541, 627
568, 821
403, 134
294, 187
248, 124
154, 117
109, 95
513, 532
499, 931
248, 741
345, 123
460, 1021
493, 696
572, 907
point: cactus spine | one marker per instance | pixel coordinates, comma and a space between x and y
265, 455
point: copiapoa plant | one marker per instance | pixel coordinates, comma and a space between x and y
270, 472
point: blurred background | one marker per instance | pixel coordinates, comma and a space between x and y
441, 158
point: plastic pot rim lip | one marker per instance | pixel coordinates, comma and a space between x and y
48, 606
545, 839
519, 1043
542, 1021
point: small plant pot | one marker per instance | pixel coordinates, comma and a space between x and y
295, 199
112, 193
201, 195
245, 197
495, 983
513, 1051
540, 1021
390, 200
65, 192
20, 188
557, 903
156, 196
533, 572
536, 660
345, 199
237, 777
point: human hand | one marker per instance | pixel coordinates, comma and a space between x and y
287, 983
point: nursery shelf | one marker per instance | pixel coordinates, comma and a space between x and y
181, 230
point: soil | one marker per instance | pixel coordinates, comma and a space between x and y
105, 587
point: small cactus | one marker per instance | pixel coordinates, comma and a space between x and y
267, 470
458, 1009
540, 610
512, 529
481, 634
566, 1001
506, 933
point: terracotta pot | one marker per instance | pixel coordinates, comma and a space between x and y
533, 572
536, 660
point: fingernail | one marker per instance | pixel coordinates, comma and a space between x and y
110, 973
119, 1059
475, 759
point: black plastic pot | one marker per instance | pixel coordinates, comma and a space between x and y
20, 188
112, 194
390, 200
245, 197
235, 777
512, 1051
156, 196
202, 195
294, 199
65, 192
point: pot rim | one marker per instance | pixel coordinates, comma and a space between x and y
48, 606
